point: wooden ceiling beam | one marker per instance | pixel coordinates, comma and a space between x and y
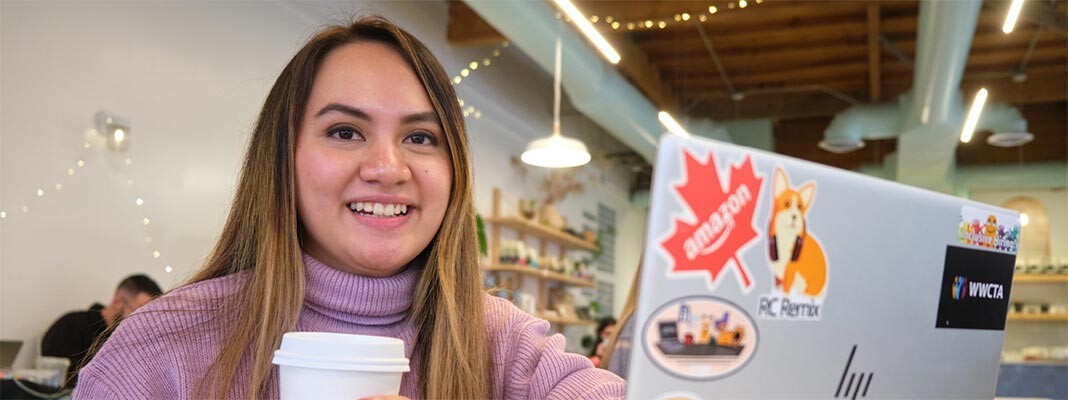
467, 28
874, 52
645, 75
847, 32
1044, 86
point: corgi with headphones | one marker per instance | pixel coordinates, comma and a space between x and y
797, 259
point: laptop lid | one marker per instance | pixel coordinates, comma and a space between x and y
804, 281
9, 349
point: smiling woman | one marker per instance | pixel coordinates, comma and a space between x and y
353, 214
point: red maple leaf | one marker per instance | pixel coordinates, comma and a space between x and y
724, 219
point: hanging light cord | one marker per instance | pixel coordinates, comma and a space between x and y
556, 92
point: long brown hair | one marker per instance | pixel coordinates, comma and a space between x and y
263, 235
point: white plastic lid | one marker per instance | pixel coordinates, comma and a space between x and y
339, 351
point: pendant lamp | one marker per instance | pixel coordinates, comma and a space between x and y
556, 150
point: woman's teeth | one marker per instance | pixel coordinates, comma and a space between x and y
378, 209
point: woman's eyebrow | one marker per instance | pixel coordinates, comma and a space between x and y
428, 116
353, 111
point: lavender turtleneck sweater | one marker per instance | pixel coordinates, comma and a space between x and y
163, 349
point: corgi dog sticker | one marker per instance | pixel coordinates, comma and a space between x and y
795, 257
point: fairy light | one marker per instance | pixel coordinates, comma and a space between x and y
473, 65
168, 269
690, 17
138, 201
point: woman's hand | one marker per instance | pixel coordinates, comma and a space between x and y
386, 397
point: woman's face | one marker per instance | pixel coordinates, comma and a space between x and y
373, 174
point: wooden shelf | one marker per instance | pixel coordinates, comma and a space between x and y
540, 273
567, 321
1039, 317
543, 232
1040, 278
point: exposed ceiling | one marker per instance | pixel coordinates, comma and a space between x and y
799, 63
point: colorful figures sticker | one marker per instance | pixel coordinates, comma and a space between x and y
992, 230
700, 338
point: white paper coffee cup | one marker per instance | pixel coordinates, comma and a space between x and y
320, 365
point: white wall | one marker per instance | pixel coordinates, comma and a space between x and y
191, 76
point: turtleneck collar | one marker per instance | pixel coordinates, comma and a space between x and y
358, 299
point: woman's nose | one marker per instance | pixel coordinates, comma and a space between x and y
384, 164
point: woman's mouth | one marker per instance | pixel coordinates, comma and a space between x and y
379, 210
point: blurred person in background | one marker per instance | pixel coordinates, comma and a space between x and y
72, 335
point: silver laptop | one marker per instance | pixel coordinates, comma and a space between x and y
9, 349
770, 277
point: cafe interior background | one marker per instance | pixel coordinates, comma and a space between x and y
124, 123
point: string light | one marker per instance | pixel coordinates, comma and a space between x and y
474, 64
81, 163
680, 18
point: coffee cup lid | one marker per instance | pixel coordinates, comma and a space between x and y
340, 351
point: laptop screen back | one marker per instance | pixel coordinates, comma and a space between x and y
789, 279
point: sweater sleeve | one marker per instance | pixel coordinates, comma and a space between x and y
535, 366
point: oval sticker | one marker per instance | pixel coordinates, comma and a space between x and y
700, 338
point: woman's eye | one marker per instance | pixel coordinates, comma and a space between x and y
345, 133
421, 138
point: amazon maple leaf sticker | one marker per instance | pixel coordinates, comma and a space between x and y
724, 219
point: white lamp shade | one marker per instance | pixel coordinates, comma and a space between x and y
556, 151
